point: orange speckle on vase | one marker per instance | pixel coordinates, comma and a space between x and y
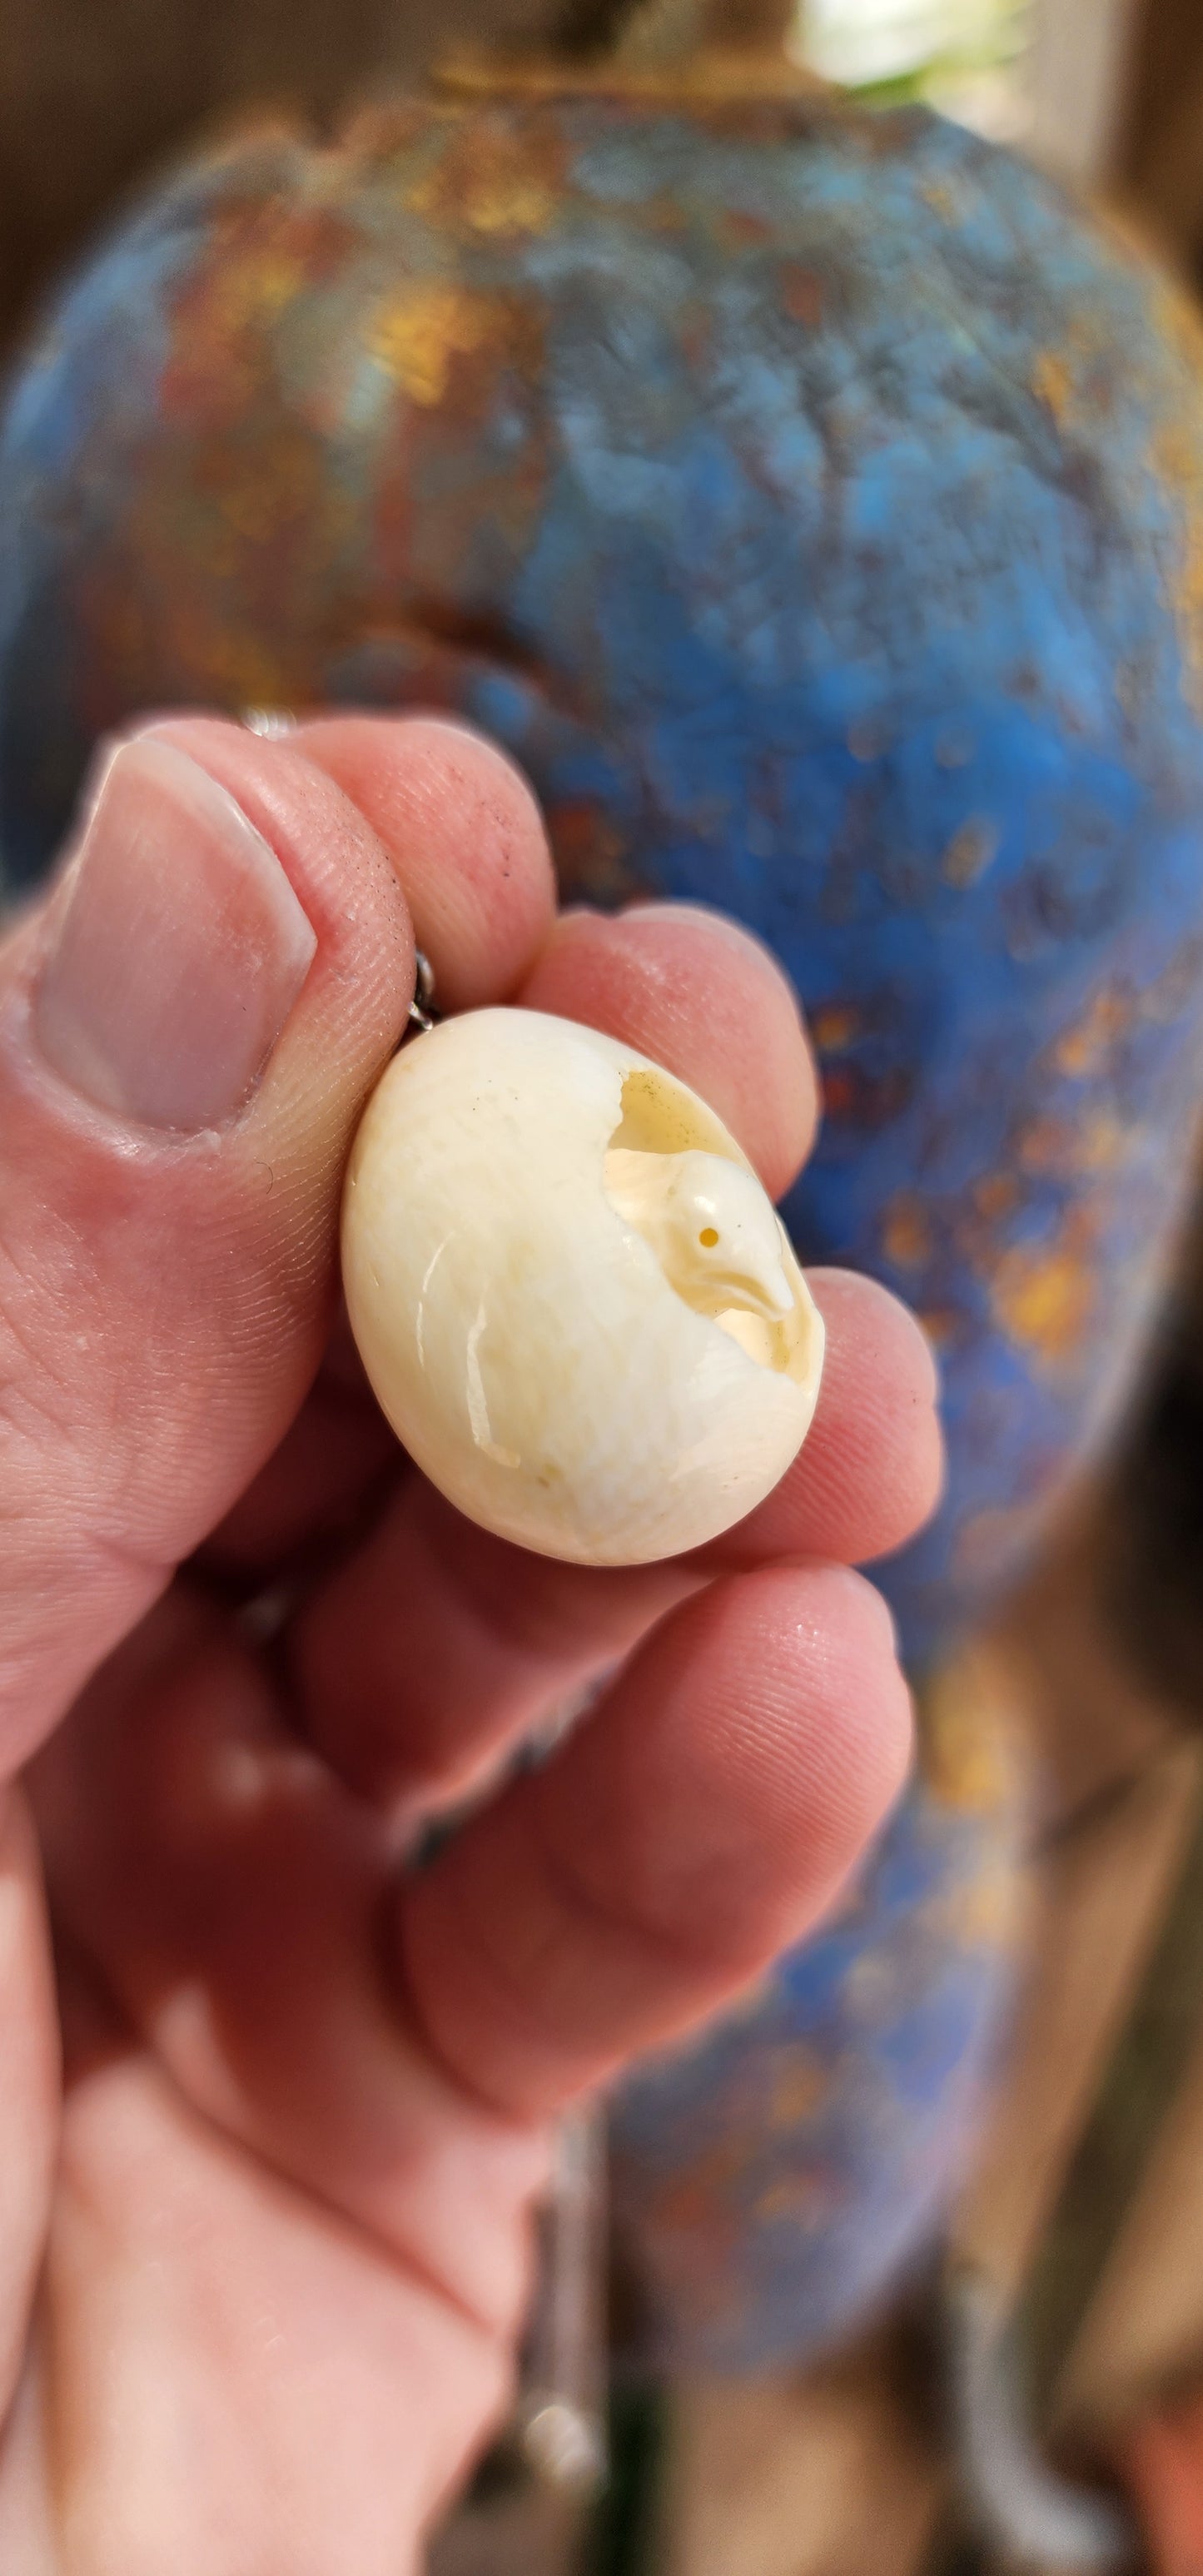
664, 215
1099, 1143
836, 1026
966, 1764
591, 857
490, 199
971, 851
801, 2084
743, 231
1046, 1146
418, 334
802, 296
1085, 1047
1053, 384
996, 1195
1044, 1300
1104, 1143
906, 1232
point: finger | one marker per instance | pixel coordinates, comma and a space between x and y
436, 1646
703, 998
230, 2376
187, 1032
29, 2092
682, 984
465, 836
333, 1468
431, 1650
334, 1460
870, 1471
696, 1823
227, 1892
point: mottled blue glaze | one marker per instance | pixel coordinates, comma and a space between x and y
769, 2182
814, 504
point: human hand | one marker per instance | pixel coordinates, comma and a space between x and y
264, 2250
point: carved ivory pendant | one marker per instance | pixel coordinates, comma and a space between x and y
574, 1300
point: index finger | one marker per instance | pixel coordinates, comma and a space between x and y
465, 836
694, 991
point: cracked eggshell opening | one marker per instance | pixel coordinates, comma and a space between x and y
521, 1332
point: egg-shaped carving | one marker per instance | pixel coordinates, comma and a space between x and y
574, 1300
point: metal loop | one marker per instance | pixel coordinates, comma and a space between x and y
423, 1012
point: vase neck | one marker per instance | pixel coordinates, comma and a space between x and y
672, 30
716, 49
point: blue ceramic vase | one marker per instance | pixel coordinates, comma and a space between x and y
812, 501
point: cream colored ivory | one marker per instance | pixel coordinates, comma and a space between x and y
572, 1296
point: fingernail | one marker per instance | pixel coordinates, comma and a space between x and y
180, 951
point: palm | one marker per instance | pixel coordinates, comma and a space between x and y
230, 2370
282, 2250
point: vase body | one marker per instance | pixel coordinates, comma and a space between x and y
812, 502
772, 2179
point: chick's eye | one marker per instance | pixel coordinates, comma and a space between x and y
708, 1236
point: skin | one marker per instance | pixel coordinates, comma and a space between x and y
272, 2123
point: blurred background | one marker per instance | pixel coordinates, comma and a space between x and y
1032, 2396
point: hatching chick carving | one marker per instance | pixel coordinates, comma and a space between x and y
710, 1225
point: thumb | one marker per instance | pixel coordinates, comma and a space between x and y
187, 1030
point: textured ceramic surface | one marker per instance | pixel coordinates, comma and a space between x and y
814, 503
770, 2181
571, 1294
